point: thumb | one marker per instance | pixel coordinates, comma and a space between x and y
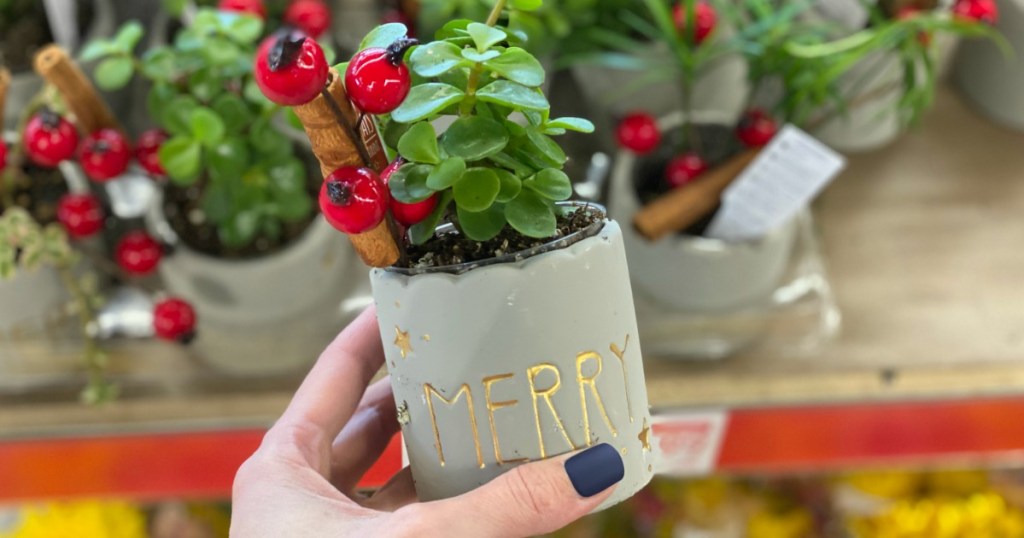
535, 498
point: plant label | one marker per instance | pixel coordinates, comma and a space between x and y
782, 180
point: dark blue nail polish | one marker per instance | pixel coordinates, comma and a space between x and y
595, 469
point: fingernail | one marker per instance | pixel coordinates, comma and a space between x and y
595, 469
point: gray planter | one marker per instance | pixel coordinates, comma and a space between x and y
873, 121
516, 361
993, 82
698, 276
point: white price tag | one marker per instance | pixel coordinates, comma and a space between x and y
852, 14
781, 181
688, 444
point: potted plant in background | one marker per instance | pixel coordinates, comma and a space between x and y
507, 316
889, 69
993, 79
237, 206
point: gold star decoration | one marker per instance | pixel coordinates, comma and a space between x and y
402, 341
645, 436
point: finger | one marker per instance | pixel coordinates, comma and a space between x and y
365, 437
398, 492
536, 498
331, 390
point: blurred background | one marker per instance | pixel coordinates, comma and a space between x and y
853, 370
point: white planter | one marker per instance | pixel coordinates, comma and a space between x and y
257, 316
696, 276
873, 120
992, 81
722, 88
511, 346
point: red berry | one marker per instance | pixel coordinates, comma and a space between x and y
174, 319
639, 133
81, 215
985, 11
49, 139
310, 16
290, 68
756, 129
706, 17
684, 169
3, 155
252, 7
408, 214
377, 80
137, 253
147, 151
104, 155
354, 200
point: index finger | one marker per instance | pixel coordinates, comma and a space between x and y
332, 389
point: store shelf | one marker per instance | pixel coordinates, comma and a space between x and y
922, 243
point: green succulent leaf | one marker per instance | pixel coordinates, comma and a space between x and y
240, 229
204, 84
228, 159
287, 188
531, 215
422, 232
114, 72
128, 36
393, 132
409, 183
526, 5
159, 64
485, 37
551, 183
97, 49
181, 157
477, 189
475, 56
233, 111
435, 59
246, 28
426, 100
268, 140
384, 35
216, 202
419, 144
482, 225
514, 95
453, 29
446, 174
176, 114
519, 66
474, 138
206, 126
510, 185
579, 125
547, 146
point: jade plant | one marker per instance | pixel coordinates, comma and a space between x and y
496, 163
539, 27
225, 138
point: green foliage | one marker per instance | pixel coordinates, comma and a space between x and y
496, 164
535, 25
222, 135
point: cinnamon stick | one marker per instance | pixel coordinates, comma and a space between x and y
90, 111
333, 128
680, 208
5, 82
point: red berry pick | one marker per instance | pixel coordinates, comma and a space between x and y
985, 11
104, 155
49, 139
354, 200
756, 129
310, 16
290, 68
638, 132
706, 17
683, 169
81, 215
137, 253
408, 214
377, 80
147, 151
3, 155
174, 319
252, 7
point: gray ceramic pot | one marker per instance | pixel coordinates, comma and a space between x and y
517, 360
991, 80
874, 121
